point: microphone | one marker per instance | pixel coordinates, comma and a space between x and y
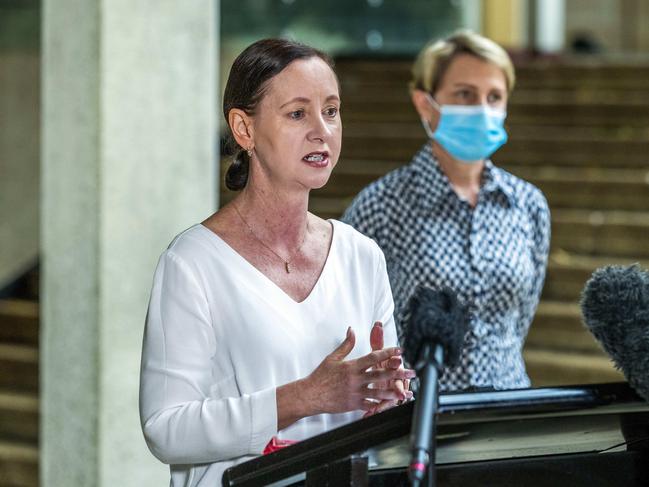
437, 323
615, 307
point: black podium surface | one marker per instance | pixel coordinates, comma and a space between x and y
591, 436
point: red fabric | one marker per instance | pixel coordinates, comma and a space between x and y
276, 444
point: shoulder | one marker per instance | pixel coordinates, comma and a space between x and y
354, 246
381, 193
190, 246
525, 195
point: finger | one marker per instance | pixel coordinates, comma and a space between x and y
381, 394
368, 406
376, 357
393, 363
345, 347
401, 388
376, 336
378, 375
383, 405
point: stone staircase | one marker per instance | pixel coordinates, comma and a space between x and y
19, 411
578, 132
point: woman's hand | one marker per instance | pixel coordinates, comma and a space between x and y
401, 385
338, 386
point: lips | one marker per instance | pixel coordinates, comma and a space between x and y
317, 159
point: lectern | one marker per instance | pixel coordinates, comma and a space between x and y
573, 436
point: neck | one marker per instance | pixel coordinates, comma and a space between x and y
279, 218
460, 174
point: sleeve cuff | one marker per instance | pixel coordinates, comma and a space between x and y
263, 419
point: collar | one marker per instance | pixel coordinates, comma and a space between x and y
494, 179
431, 184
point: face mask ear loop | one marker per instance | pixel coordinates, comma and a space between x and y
432, 102
426, 123
429, 132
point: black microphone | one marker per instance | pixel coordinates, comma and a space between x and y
615, 307
437, 324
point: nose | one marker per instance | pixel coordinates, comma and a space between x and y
320, 130
483, 99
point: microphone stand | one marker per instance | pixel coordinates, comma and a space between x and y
424, 425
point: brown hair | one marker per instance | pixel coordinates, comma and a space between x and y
246, 85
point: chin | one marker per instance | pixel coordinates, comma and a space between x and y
316, 179
317, 183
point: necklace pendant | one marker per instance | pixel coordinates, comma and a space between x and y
288, 269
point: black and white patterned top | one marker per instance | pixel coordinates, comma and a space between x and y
494, 256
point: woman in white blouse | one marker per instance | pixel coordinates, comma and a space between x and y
265, 320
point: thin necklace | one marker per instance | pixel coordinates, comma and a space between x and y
287, 262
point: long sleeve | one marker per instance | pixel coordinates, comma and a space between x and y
182, 422
384, 304
540, 216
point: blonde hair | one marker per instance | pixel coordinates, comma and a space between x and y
434, 59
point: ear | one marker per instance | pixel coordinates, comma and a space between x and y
241, 125
422, 105
424, 108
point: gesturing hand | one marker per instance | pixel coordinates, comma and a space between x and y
338, 385
401, 386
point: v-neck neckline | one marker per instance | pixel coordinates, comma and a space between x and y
216, 238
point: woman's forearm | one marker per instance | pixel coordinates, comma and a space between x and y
292, 404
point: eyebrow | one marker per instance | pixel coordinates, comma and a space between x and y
302, 99
460, 84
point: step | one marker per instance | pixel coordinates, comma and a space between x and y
591, 188
326, 207
634, 122
567, 273
552, 368
19, 321
585, 138
19, 416
377, 168
569, 117
396, 144
18, 465
558, 326
569, 75
623, 234
397, 95
18, 368
611, 233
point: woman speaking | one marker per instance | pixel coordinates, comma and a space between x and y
264, 320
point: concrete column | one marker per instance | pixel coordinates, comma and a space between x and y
129, 159
550, 28
472, 15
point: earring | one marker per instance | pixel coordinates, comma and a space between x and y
249, 151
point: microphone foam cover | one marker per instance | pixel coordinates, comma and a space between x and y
615, 308
436, 316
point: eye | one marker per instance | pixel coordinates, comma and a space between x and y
463, 94
494, 98
331, 112
296, 114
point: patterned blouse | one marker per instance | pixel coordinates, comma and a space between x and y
494, 256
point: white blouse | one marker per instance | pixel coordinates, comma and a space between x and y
220, 337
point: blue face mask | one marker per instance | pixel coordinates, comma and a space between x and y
470, 133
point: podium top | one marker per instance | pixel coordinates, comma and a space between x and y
472, 426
